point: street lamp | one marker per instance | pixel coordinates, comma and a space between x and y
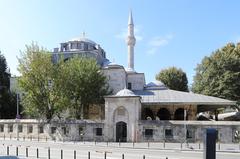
17, 116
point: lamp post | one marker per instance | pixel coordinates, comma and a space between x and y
17, 116
185, 127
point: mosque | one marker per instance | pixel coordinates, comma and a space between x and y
136, 111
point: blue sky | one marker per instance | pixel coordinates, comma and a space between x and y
169, 33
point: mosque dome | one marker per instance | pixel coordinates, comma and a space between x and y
82, 39
155, 85
125, 92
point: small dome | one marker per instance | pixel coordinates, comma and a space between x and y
125, 92
83, 39
156, 85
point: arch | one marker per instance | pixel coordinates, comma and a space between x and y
121, 131
164, 114
120, 114
147, 112
179, 114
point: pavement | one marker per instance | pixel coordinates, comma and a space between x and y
112, 150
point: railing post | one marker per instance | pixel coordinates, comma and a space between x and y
163, 143
26, 152
75, 155
8, 150
199, 145
37, 153
4, 136
148, 143
181, 145
133, 144
219, 147
61, 154
49, 155
105, 155
88, 154
16, 151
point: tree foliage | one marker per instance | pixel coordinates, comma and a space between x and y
219, 74
37, 72
51, 89
83, 84
7, 99
173, 78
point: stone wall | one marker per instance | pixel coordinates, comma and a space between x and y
174, 131
86, 130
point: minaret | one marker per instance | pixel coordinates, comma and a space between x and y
130, 42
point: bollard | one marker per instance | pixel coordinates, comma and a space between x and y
26, 152
105, 155
38, 138
122, 156
95, 142
107, 143
210, 144
181, 145
23, 138
49, 155
74, 154
133, 144
4, 136
219, 147
143, 156
163, 143
148, 144
119, 143
88, 154
166, 157
37, 153
61, 154
8, 150
199, 145
46, 138
10, 137
16, 151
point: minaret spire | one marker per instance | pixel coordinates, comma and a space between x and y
130, 42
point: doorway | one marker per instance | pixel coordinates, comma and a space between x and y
121, 131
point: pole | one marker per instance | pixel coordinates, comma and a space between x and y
17, 106
185, 128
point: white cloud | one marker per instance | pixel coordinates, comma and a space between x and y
159, 41
123, 33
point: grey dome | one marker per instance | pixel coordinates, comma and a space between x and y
155, 85
83, 39
125, 92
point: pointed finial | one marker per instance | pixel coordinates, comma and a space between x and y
130, 19
83, 34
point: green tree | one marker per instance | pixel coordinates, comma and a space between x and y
219, 74
173, 78
83, 83
7, 99
36, 82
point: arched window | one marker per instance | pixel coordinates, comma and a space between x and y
164, 114
179, 114
147, 112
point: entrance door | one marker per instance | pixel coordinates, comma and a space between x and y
121, 131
